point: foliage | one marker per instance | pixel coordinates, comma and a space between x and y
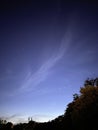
81, 113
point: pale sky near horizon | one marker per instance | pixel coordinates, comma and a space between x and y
47, 50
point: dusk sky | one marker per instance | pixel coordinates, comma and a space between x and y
47, 49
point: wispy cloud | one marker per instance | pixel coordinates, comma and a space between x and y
43, 117
18, 118
33, 80
15, 118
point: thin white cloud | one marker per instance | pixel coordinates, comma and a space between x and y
18, 118
42, 118
33, 80
15, 118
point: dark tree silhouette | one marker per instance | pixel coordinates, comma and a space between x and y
81, 113
92, 82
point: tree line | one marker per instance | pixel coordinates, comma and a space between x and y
80, 114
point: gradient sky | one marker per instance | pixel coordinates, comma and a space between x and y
47, 49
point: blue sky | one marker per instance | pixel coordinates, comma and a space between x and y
47, 50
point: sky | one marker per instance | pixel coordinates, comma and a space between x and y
48, 49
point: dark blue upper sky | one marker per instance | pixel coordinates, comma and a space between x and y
47, 49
